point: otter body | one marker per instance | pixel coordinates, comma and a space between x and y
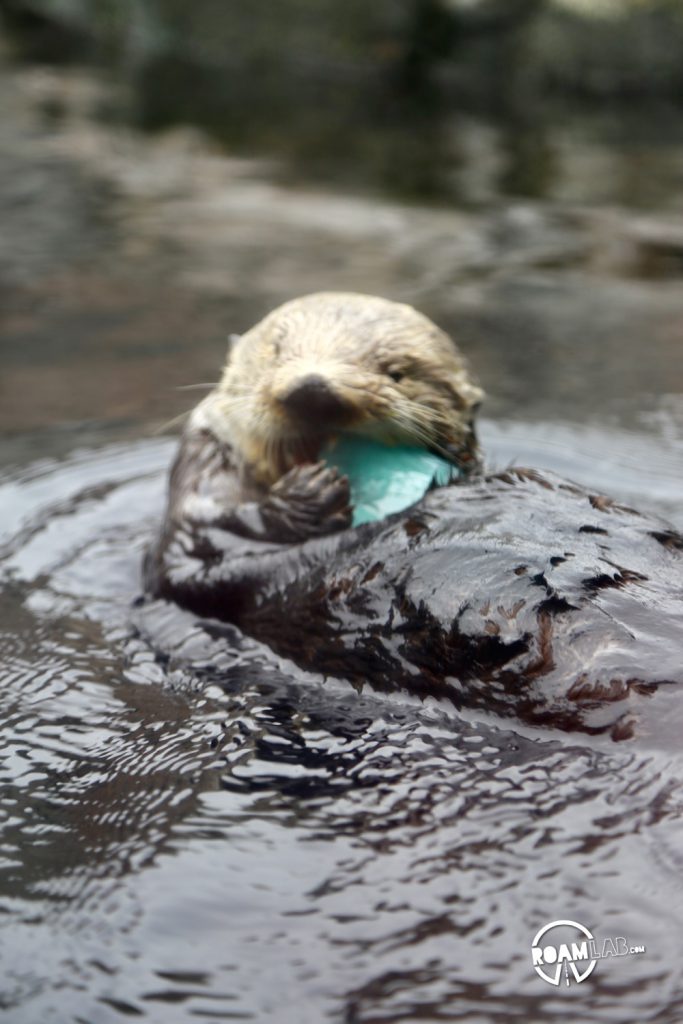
247, 486
517, 593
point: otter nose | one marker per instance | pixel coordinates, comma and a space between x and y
314, 398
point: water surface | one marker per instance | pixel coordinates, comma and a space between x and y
209, 833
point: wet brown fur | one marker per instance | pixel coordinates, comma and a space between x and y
519, 593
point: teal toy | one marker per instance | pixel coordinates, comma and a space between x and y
385, 478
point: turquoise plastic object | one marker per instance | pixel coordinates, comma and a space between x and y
385, 478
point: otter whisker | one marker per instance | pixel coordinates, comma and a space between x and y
171, 423
424, 437
231, 402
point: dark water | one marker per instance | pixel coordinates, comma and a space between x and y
208, 834
191, 829
459, 103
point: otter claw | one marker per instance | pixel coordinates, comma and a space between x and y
298, 477
310, 500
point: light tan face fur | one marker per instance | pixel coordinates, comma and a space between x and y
402, 377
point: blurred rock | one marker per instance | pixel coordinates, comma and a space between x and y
657, 247
132, 258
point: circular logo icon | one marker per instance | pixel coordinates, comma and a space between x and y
561, 949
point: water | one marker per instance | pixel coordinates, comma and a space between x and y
209, 834
193, 829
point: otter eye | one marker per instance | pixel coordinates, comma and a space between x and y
396, 376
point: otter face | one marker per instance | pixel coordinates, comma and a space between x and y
330, 362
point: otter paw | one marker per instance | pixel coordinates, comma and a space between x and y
309, 501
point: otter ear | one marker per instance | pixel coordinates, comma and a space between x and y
475, 397
232, 341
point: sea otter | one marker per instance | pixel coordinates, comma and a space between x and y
518, 592
249, 461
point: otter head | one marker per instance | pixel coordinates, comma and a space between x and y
332, 362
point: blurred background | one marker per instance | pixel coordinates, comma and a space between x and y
514, 168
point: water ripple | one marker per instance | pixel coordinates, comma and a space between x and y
213, 835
